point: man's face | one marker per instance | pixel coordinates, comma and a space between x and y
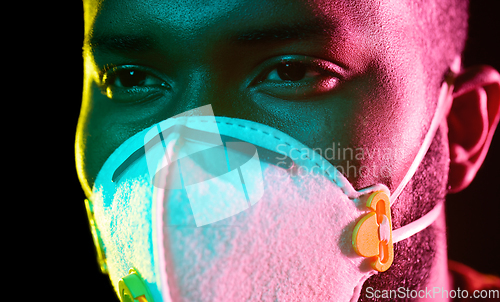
342, 76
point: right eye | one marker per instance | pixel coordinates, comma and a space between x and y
297, 77
128, 83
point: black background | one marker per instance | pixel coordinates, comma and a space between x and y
473, 215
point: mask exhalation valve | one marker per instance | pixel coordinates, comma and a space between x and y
133, 289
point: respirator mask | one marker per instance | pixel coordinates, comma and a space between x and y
206, 208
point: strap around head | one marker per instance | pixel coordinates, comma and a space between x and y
442, 110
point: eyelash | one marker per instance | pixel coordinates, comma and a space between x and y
131, 93
289, 78
316, 65
320, 77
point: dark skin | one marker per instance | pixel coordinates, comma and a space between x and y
349, 74
339, 91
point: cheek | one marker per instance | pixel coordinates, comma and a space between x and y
102, 127
391, 124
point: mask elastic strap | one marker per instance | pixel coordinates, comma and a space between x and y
373, 236
417, 225
441, 112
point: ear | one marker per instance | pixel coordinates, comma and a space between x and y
472, 120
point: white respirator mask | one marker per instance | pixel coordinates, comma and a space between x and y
204, 208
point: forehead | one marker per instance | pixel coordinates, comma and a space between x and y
368, 25
196, 13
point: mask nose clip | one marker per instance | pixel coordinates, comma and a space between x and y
372, 236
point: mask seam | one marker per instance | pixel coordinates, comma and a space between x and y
333, 179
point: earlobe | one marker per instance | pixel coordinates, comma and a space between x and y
472, 121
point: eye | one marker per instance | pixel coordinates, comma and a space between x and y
130, 78
129, 83
291, 71
298, 77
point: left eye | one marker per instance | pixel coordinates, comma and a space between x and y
291, 71
297, 77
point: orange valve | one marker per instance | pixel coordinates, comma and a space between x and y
133, 289
372, 235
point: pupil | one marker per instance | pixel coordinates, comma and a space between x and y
131, 78
291, 71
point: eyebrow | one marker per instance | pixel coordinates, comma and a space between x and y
297, 31
121, 43
142, 43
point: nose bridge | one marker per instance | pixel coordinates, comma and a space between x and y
195, 89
